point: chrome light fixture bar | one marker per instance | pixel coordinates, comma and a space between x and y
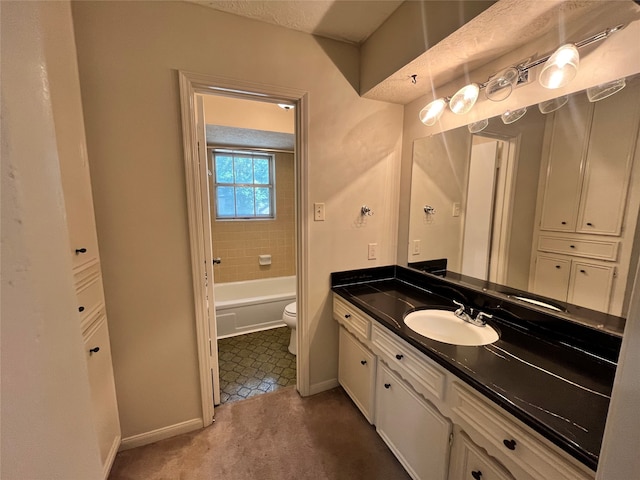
560, 67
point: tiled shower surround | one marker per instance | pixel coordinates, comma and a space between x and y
255, 363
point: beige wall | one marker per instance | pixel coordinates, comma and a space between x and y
253, 114
47, 427
239, 242
128, 55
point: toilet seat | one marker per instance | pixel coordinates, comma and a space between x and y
291, 309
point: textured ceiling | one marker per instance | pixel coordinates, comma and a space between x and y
502, 28
346, 20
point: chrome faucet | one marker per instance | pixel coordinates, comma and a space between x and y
478, 320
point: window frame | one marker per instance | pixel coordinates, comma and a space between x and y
271, 186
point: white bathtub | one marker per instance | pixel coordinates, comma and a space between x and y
252, 305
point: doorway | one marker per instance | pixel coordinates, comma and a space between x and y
193, 87
251, 184
486, 239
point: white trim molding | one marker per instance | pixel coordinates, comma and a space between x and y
190, 85
323, 386
160, 434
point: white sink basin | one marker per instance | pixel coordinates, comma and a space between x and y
444, 326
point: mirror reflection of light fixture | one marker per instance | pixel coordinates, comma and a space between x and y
476, 127
561, 67
511, 116
464, 99
501, 85
285, 106
554, 104
430, 114
605, 90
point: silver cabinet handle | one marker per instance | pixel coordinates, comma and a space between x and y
217, 261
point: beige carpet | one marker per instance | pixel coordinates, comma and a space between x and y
278, 435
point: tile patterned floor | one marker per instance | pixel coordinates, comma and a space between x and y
255, 363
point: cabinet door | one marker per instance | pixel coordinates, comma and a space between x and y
551, 276
414, 430
609, 157
103, 392
564, 170
590, 285
469, 462
357, 372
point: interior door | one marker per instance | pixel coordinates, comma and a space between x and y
476, 246
208, 253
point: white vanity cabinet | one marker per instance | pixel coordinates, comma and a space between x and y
523, 452
470, 462
413, 429
357, 372
420, 410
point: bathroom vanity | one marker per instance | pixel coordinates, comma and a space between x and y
531, 405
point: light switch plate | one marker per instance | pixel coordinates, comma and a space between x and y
318, 212
456, 209
415, 249
373, 251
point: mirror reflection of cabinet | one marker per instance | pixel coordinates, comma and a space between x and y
589, 162
585, 178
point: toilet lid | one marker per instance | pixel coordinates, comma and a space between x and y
291, 308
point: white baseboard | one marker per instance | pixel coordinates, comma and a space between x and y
322, 386
160, 434
106, 468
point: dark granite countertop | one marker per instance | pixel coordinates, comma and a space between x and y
559, 388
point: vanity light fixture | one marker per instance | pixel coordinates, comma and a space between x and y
554, 104
511, 116
600, 92
476, 127
285, 106
559, 69
430, 114
464, 99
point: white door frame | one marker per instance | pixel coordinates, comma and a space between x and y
190, 85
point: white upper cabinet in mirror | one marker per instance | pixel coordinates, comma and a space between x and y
548, 204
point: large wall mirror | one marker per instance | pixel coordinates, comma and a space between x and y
544, 208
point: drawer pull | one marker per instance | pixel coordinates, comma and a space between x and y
477, 474
589, 224
387, 386
363, 362
81, 308
80, 250
399, 356
347, 315
572, 246
558, 266
564, 223
583, 271
94, 350
510, 444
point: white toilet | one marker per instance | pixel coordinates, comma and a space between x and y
290, 317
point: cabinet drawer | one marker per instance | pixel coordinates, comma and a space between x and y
357, 372
352, 319
469, 462
602, 250
90, 298
512, 442
409, 363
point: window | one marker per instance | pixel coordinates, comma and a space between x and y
243, 184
